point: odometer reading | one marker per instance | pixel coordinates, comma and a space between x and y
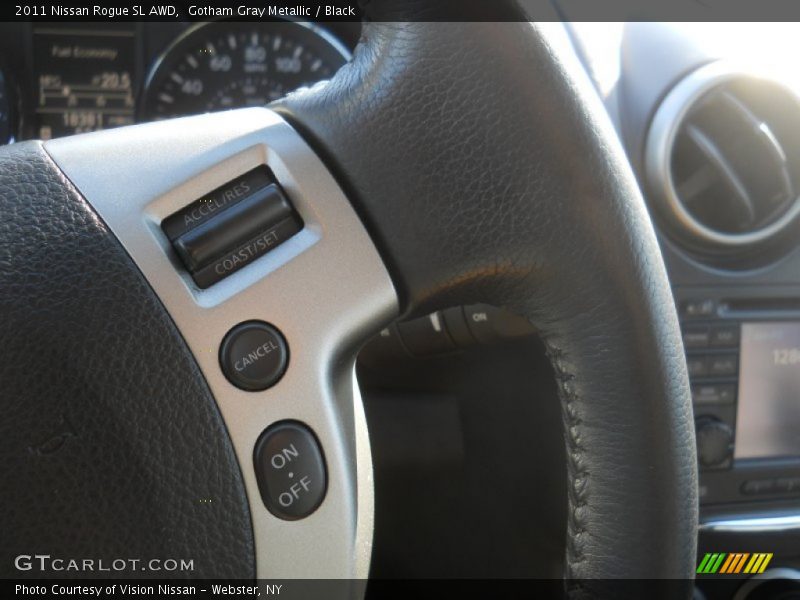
223, 65
84, 79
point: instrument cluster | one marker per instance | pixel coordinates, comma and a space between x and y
63, 79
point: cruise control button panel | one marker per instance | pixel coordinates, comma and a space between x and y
290, 469
235, 224
254, 356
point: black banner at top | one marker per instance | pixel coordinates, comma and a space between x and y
399, 10
177, 10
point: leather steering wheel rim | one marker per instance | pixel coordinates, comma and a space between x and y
485, 170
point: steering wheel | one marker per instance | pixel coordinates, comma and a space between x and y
447, 164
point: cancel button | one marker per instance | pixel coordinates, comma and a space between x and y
254, 355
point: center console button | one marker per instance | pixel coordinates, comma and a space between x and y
254, 355
725, 336
714, 394
290, 469
697, 366
701, 307
723, 365
696, 337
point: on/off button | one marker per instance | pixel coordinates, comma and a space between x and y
254, 355
290, 469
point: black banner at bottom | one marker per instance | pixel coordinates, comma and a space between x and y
378, 589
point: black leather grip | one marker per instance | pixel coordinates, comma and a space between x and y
111, 444
486, 171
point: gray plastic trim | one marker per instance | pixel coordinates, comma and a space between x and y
326, 289
753, 524
661, 138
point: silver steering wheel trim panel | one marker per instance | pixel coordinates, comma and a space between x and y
326, 289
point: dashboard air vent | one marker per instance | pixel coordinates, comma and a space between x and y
724, 157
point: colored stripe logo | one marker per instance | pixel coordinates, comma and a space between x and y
734, 563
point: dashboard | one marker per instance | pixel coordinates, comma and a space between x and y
64, 78
709, 115
712, 132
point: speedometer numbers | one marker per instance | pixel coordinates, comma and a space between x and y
224, 65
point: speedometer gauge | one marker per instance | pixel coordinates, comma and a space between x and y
223, 65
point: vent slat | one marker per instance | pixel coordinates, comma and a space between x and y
728, 174
764, 132
697, 183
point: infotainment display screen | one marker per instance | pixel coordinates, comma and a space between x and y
768, 418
